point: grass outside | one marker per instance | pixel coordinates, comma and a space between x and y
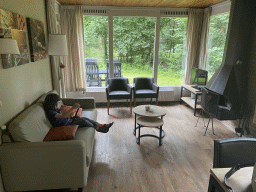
165, 77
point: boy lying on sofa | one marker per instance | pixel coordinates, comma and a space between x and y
52, 106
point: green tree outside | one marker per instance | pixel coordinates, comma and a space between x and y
134, 45
216, 43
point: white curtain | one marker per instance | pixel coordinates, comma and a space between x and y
53, 29
204, 38
196, 45
72, 26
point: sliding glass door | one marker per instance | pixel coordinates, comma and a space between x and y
96, 49
172, 53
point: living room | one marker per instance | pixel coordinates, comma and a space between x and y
22, 85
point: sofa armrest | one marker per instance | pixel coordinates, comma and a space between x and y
43, 165
85, 103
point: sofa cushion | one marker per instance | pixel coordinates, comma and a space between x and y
61, 133
90, 113
31, 125
65, 108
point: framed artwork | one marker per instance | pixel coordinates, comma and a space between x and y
36, 38
8, 19
8, 61
21, 38
13, 26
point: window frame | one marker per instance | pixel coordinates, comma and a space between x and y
111, 11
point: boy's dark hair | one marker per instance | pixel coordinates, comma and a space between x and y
50, 101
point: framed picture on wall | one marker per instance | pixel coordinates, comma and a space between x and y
13, 26
36, 37
8, 19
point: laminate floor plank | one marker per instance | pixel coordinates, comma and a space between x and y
181, 164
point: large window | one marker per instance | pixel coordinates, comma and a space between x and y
133, 47
172, 51
216, 42
133, 39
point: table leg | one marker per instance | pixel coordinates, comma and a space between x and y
214, 186
195, 106
181, 93
138, 139
160, 136
134, 131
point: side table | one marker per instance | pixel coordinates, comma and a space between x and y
195, 105
153, 112
150, 122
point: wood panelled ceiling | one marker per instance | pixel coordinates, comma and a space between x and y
145, 3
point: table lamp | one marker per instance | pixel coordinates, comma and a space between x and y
58, 46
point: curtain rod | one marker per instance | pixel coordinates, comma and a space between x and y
124, 8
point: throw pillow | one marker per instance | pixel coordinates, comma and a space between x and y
65, 108
61, 133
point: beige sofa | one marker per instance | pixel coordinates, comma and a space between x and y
29, 163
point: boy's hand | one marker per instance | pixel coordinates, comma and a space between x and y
76, 105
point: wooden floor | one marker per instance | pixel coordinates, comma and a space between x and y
182, 163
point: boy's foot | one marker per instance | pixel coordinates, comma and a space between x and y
104, 128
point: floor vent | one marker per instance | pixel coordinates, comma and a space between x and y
174, 13
95, 11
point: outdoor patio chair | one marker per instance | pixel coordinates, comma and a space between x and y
114, 60
117, 69
118, 88
144, 87
91, 60
92, 74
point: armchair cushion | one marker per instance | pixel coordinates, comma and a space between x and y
61, 133
145, 91
143, 83
117, 84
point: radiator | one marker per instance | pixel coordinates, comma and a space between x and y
166, 95
100, 95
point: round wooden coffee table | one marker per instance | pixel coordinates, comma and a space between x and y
147, 119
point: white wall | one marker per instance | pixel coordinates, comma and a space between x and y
20, 86
221, 7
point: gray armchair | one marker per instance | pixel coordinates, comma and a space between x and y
230, 152
118, 88
144, 87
